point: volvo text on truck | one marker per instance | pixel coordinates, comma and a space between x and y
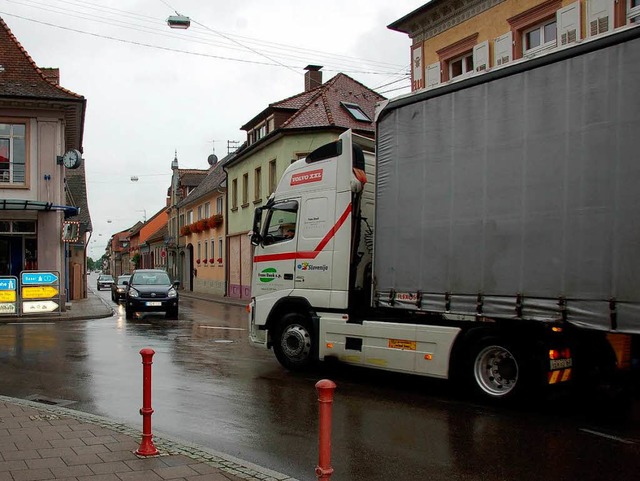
493, 239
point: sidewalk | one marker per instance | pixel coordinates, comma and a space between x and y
42, 442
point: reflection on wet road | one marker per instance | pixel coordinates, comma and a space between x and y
210, 387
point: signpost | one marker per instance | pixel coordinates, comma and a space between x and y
8, 295
42, 288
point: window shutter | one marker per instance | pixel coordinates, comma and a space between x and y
433, 74
481, 56
502, 49
568, 19
600, 16
417, 68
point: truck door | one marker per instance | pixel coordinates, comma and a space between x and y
274, 259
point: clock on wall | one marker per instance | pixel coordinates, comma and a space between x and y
72, 159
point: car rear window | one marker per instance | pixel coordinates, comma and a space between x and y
105, 278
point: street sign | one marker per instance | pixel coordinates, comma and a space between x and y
8, 284
8, 296
39, 292
34, 307
7, 308
39, 278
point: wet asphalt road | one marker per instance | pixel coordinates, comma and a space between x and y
210, 387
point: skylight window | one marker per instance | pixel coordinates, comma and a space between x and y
356, 112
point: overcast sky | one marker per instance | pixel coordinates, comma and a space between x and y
152, 90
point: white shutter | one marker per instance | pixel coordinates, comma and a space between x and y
433, 74
481, 56
417, 68
503, 49
568, 19
599, 17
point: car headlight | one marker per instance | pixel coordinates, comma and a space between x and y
133, 293
120, 289
172, 293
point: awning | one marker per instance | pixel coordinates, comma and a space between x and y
20, 204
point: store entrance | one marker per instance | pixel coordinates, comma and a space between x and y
11, 258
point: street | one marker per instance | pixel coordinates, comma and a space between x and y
211, 388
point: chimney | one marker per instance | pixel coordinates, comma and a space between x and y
313, 77
52, 75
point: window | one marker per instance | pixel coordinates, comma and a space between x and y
199, 212
189, 217
356, 112
273, 180
539, 37
461, 65
245, 190
281, 222
13, 153
257, 193
234, 194
220, 256
206, 251
213, 244
207, 210
219, 205
199, 251
633, 11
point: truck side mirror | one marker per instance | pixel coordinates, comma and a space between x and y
255, 238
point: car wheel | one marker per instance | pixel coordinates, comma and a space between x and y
294, 342
172, 313
128, 313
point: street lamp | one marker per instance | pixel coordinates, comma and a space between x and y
178, 21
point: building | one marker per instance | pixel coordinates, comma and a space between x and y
183, 182
147, 255
157, 246
283, 132
41, 132
204, 252
453, 39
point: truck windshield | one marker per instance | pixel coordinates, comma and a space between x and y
281, 222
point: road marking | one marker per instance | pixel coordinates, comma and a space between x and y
608, 436
225, 328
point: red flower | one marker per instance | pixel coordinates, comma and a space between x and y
212, 260
219, 260
198, 261
205, 261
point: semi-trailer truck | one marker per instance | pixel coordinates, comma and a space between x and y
493, 239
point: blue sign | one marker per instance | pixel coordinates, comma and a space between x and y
39, 278
8, 285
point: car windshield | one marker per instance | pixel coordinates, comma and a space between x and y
105, 278
151, 279
121, 279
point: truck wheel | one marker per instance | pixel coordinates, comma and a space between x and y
293, 345
496, 370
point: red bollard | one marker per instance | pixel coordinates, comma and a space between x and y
146, 445
325, 389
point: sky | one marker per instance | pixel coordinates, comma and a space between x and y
153, 91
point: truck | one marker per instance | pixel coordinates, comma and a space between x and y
490, 235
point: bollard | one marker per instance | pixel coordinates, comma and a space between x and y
146, 445
325, 389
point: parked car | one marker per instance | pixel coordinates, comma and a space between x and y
105, 280
151, 290
119, 288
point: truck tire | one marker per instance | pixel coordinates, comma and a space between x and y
496, 370
293, 344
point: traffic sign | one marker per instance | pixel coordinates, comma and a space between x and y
8, 284
38, 292
7, 308
7, 296
33, 307
39, 278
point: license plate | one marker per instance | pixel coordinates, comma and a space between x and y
154, 303
560, 364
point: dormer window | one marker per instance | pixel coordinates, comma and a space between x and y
356, 112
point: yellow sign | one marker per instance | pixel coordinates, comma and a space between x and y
403, 344
7, 296
39, 292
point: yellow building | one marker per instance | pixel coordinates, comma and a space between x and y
453, 39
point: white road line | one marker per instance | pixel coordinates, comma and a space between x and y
609, 436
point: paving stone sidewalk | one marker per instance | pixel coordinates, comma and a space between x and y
42, 443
